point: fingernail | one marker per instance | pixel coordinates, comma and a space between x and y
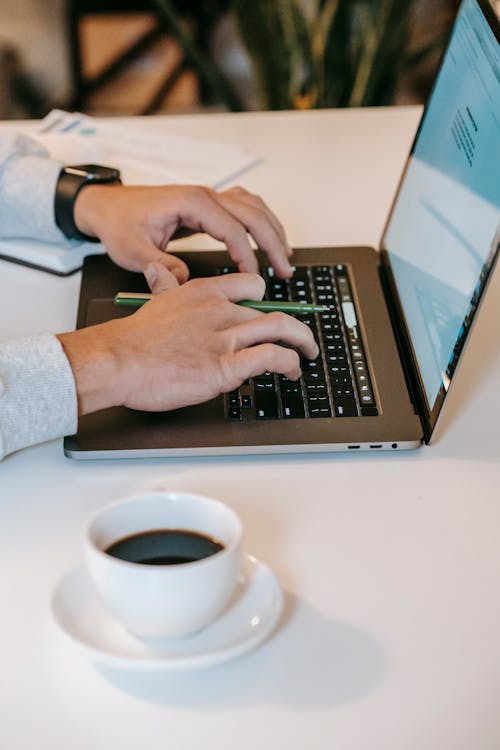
151, 275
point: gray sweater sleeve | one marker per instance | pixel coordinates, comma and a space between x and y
37, 390
27, 188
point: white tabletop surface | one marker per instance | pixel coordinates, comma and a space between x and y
390, 562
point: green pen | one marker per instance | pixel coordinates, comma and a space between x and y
136, 299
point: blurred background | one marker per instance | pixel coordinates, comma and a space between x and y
112, 57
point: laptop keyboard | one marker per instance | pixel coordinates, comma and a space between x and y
337, 383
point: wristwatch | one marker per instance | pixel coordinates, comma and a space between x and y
71, 180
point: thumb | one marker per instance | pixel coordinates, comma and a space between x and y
159, 278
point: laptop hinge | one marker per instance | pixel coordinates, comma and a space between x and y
405, 355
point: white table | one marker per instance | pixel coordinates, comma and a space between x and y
390, 563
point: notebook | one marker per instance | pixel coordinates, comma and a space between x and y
397, 319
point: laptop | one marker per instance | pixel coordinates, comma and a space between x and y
397, 319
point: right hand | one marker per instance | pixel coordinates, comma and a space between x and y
136, 225
186, 346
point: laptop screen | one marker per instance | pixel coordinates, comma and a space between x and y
444, 230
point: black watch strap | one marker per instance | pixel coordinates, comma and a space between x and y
71, 180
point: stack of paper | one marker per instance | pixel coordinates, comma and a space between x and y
142, 156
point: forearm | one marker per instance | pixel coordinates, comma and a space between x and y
37, 392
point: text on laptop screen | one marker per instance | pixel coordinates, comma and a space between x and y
445, 226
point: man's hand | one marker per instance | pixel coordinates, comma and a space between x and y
136, 224
187, 345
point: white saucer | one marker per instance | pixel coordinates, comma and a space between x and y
252, 615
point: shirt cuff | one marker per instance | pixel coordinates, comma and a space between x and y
38, 398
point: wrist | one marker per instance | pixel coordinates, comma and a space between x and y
90, 208
94, 367
73, 181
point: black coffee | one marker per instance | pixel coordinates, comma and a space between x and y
164, 547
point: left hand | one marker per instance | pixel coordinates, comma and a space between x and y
185, 347
136, 224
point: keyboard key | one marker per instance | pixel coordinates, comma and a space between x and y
291, 387
345, 407
292, 405
301, 295
343, 391
316, 388
265, 377
341, 378
320, 411
264, 385
334, 348
337, 338
323, 288
299, 290
328, 336
311, 365
321, 271
336, 360
365, 391
314, 377
234, 402
300, 274
318, 400
266, 405
276, 296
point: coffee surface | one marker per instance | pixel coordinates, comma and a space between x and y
164, 547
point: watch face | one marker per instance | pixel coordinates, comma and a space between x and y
94, 172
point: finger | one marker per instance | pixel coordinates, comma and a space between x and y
142, 252
249, 363
175, 265
255, 200
159, 278
149, 253
258, 224
234, 286
201, 212
276, 327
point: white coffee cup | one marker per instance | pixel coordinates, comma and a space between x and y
164, 600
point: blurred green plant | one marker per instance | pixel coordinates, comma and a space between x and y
340, 53
344, 53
